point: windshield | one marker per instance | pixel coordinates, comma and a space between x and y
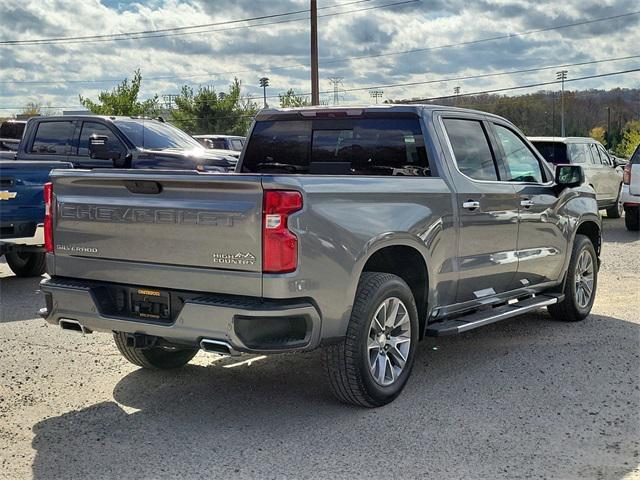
553, 152
154, 135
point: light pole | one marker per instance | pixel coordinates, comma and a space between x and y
376, 94
264, 83
562, 76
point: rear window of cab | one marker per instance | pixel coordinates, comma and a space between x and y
362, 146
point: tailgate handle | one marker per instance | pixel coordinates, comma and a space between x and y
6, 182
143, 186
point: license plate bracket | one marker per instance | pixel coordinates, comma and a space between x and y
151, 304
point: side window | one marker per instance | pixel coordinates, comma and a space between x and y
53, 138
471, 148
635, 158
522, 165
604, 156
593, 151
90, 128
578, 153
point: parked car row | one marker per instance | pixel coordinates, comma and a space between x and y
30, 150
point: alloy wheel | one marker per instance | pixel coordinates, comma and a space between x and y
389, 341
584, 278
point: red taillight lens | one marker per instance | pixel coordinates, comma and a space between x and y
626, 174
48, 222
279, 245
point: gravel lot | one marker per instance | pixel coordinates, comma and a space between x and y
526, 398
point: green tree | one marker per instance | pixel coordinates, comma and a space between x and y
599, 134
123, 100
290, 99
206, 111
630, 139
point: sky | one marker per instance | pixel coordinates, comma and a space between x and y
441, 40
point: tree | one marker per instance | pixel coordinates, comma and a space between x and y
630, 139
290, 99
599, 134
206, 111
123, 100
32, 109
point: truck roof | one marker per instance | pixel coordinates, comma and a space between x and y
103, 117
388, 107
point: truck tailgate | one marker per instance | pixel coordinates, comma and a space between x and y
159, 218
21, 196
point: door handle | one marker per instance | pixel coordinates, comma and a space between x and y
527, 203
471, 204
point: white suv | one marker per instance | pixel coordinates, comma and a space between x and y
599, 168
630, 195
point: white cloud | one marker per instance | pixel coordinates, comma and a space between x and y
254, 52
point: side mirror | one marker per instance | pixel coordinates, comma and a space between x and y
99, 148
569, 176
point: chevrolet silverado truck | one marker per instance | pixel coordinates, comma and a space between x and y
356, 230
98, 141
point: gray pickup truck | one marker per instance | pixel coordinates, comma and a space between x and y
358, 230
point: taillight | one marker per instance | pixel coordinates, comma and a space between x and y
48, 221
279, 244
626, 174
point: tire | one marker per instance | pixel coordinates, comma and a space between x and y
616, 210
632, 218
154, 358
26, 264
573, 308
348, 364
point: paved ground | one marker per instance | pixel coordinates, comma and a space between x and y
529, 398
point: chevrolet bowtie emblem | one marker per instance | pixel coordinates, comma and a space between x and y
7, 195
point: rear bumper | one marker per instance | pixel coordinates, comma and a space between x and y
36, 239
627, 198
248, 324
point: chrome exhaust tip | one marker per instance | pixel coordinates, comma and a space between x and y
218, 346
73, 325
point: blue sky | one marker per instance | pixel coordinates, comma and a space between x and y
215, 57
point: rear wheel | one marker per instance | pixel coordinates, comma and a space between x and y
581, 283
26, 264
155, 358
372, 364
632, 218
615, 211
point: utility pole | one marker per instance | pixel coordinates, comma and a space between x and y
336, 82
315, 88
562, 76
264, 83
553, 114
376, 94
608, 127
456, 92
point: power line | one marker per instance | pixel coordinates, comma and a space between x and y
483, 75
339, 60
520, 87
440, 80
174, 34
112, 36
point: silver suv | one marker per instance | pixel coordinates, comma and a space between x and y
600, 170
